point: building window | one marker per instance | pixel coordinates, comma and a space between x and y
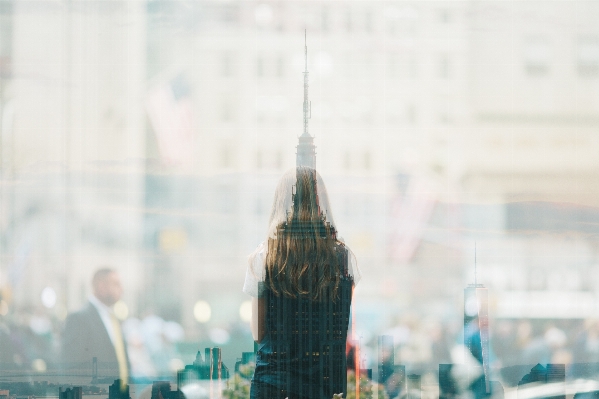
392, 64
444, 66
536, 57
347, 161
411, 114
367, 161
411, 66
227, 65
588, 57
368, 21
280, 66
226, 111
259, 160
226, 158
444, 16
324, 19
260, 66
348, 20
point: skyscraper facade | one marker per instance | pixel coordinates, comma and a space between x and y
476, 332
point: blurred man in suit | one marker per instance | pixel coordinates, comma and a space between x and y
95, 331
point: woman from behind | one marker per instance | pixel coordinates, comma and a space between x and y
301, 280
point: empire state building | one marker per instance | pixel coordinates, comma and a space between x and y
306, 150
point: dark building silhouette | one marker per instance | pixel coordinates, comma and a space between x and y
414, 387
246, 358
386, 358
118, 390
319, 330
162, 390
396, 384
556, 372
392, 376
553, 373
210, 367
447, 386
70, 393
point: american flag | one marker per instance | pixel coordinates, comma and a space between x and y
170, 110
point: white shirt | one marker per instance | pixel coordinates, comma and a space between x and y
106, 315
256, 272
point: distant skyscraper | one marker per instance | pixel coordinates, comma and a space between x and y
414, 388
210, 367
557, 373
386, 357
306, 150
553, 373
476, 325
70, 393
447, 388
396, 383
476, 329
118, 390
246, 358
162, 390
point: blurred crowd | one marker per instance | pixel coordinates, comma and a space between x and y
30, 340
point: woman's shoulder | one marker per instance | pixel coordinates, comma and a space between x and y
348, 261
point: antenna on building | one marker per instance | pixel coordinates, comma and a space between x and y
306, 150
307, 103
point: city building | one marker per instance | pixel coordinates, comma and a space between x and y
118, 390
476, 332
162, 390
70, 393
447, 386
247, 359
551, 374
414, 389
432, 131
209, 367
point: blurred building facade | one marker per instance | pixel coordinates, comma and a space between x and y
436, 124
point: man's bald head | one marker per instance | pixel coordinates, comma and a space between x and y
106, 285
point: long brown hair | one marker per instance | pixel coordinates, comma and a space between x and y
303, 251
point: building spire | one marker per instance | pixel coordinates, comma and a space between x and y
306, 150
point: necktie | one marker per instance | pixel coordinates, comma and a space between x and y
119, 348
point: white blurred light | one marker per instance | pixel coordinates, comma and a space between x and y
471, 306
219, 336
195, 391
175, 365
202, 311
245, 311
40, 325
48, 297
173, 331
121, 311
263, 14
39, 365
324, 63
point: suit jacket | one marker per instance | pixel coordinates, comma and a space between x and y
85, 337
